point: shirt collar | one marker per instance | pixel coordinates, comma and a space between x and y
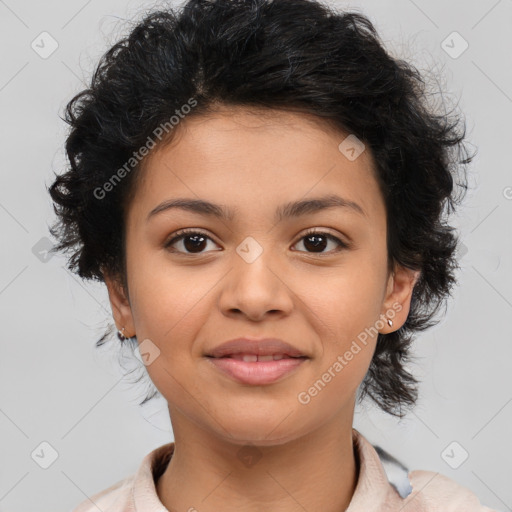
375, 485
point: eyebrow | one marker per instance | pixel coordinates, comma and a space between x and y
285, 211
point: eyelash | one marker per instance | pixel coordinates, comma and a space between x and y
312, 231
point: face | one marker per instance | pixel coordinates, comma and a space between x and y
255, 274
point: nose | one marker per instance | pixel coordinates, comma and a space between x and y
256, 289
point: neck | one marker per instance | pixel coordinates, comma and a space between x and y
206, 473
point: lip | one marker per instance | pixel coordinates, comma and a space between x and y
256, 373
255, 346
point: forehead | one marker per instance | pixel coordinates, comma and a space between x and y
253, 157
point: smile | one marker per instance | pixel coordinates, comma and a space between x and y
251, 358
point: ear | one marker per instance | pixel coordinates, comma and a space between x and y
120, 305
397, 301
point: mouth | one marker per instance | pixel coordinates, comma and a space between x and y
253, 358
256, 361
247, 346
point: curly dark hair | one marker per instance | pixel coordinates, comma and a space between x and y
296, 55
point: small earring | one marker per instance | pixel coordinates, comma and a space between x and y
120, 334
390, 322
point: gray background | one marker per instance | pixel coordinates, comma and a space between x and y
57, 388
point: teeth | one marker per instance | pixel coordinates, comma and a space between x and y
252, 358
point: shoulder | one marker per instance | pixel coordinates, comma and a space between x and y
136, 492
436, 492
385, 484
114, 499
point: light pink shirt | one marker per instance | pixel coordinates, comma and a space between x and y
431, 492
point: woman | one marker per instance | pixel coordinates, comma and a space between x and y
263, 191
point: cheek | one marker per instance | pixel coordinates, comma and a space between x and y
169, 308
165, 297
349, 298
346, 314
347, 327
169, 311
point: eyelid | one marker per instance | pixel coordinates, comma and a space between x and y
343, 244
341, 240
181, 233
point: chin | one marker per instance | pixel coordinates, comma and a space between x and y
264, 430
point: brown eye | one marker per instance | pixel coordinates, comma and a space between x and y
189, 241
317, 241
